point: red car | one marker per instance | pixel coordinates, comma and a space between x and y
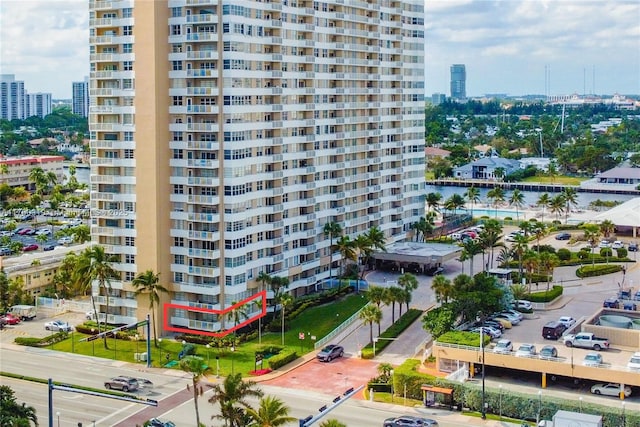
31, 247
10, 319
26, 231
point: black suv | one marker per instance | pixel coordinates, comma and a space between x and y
612, 302
633, 247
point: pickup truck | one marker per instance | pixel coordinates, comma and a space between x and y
586, 340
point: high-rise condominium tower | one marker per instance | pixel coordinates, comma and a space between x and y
80, 100
224, 136
458, 81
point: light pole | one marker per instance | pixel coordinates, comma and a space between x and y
500, 406
624, 417
93, 342
232, 359
208, 354
580, 404
483, 412
137, 337
217, 366
160, 345
58, 415
539, 406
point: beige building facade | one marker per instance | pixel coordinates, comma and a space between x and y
19, 168
225, 136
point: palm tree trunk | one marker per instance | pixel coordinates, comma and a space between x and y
106, 318
195, 402
95, 312
153, 325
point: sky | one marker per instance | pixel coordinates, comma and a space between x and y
515, 47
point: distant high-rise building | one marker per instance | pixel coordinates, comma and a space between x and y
226, 136
12, 98
438, 98
458, 81
80, 102
38, 104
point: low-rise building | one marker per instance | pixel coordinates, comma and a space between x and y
485, 168
19, 168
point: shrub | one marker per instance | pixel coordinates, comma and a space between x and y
564, 254
470, 339
391, 332
597, 270
583, 254
622, 252
544, 248
546, 296
606, 252
282, 358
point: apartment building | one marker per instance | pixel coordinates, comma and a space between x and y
18, 169
80, 97
226, 136
12, 98
38, 104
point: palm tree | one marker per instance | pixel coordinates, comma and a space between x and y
607, 227
147, 283
530, 263
570, 196
395, 295
473, 196
517, 200
499, 172
263, 279
377, 295
548, 262
277, 284
333, 230
195, 366
543, 201
520, 246
12, 413
471, 248
424, 227
370, 314
232, 397
237, 314
364, 251
95, 265
332, 423
591, 234
443, 288
409, 283
556, 205
490, 238
272, 412
285, 301
39, 179
496, 195
347, 250
81, 233
4, 170
453, 203
433, 201
539, 230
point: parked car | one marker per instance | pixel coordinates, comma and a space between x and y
409, 421
330, 352
48, 247
125, 384
617, 245
90, 315
66, 240
516, 313
43, 232
488, 330
434, 271
526, 350
57, 326
634, 362
625, 293
553, 330
154, 422
503, 346
610, 389
6, 233
523, 304
548, 352
629, 305
604, 244
493, 324
567, 321
510, 317
592, 359
503, 321
563, 236
633, 247
4, 251
26, 231
30, 247
612, 302
10, 319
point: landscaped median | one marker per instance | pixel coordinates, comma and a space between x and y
391, 333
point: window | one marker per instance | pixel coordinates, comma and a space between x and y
178, 189
176, 12
129, 223
127, 48
178, 241
127, 12
177, 65
177, 154
127, 83
129, 241
177, 100
129, 259
128, 136
129, 276
127, 30
175, 30
127, 65
128, 154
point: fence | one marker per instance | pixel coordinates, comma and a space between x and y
344, 326
62, 305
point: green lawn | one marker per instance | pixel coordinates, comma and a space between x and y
559, 179
316, 321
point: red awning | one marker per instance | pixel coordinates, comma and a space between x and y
437, 389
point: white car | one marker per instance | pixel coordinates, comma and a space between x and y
57, 326
592, 359
567, 321
604, 244
508, 316
503, 346
65, 240
516, 313
526, 350
524, 304
43, 232
617, 245
610, 389
6, 233
488, 330
634, 362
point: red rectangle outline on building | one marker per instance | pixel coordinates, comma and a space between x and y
262, 313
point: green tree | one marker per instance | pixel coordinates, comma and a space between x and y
453, 203
556, 206
570, 197
520, 247
471, 248
232, 396
377, 295
607, 227
543, 202
332, 423
13, 414
148, 283
499, 172
433, 201
496, 195
409, 283
347, 250
331, 230
439, 320
370, 314
548, 262
272, 412
395, 295
4, 291
39, 179
517, 200
443, 288
195, 366
95, 265
80, 233
264, 279
490, 238
285, 301
473, 196
592, 234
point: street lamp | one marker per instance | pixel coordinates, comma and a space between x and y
624, 418
484, 408
500, 406
539, 406
233, 348
580, 404
58, 415
93, 342
160, 345
208, 354
137, 337
375, 340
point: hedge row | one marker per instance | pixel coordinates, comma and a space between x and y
471, 339
546, 296
597, 270
282, 358
392, 331
42, 342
